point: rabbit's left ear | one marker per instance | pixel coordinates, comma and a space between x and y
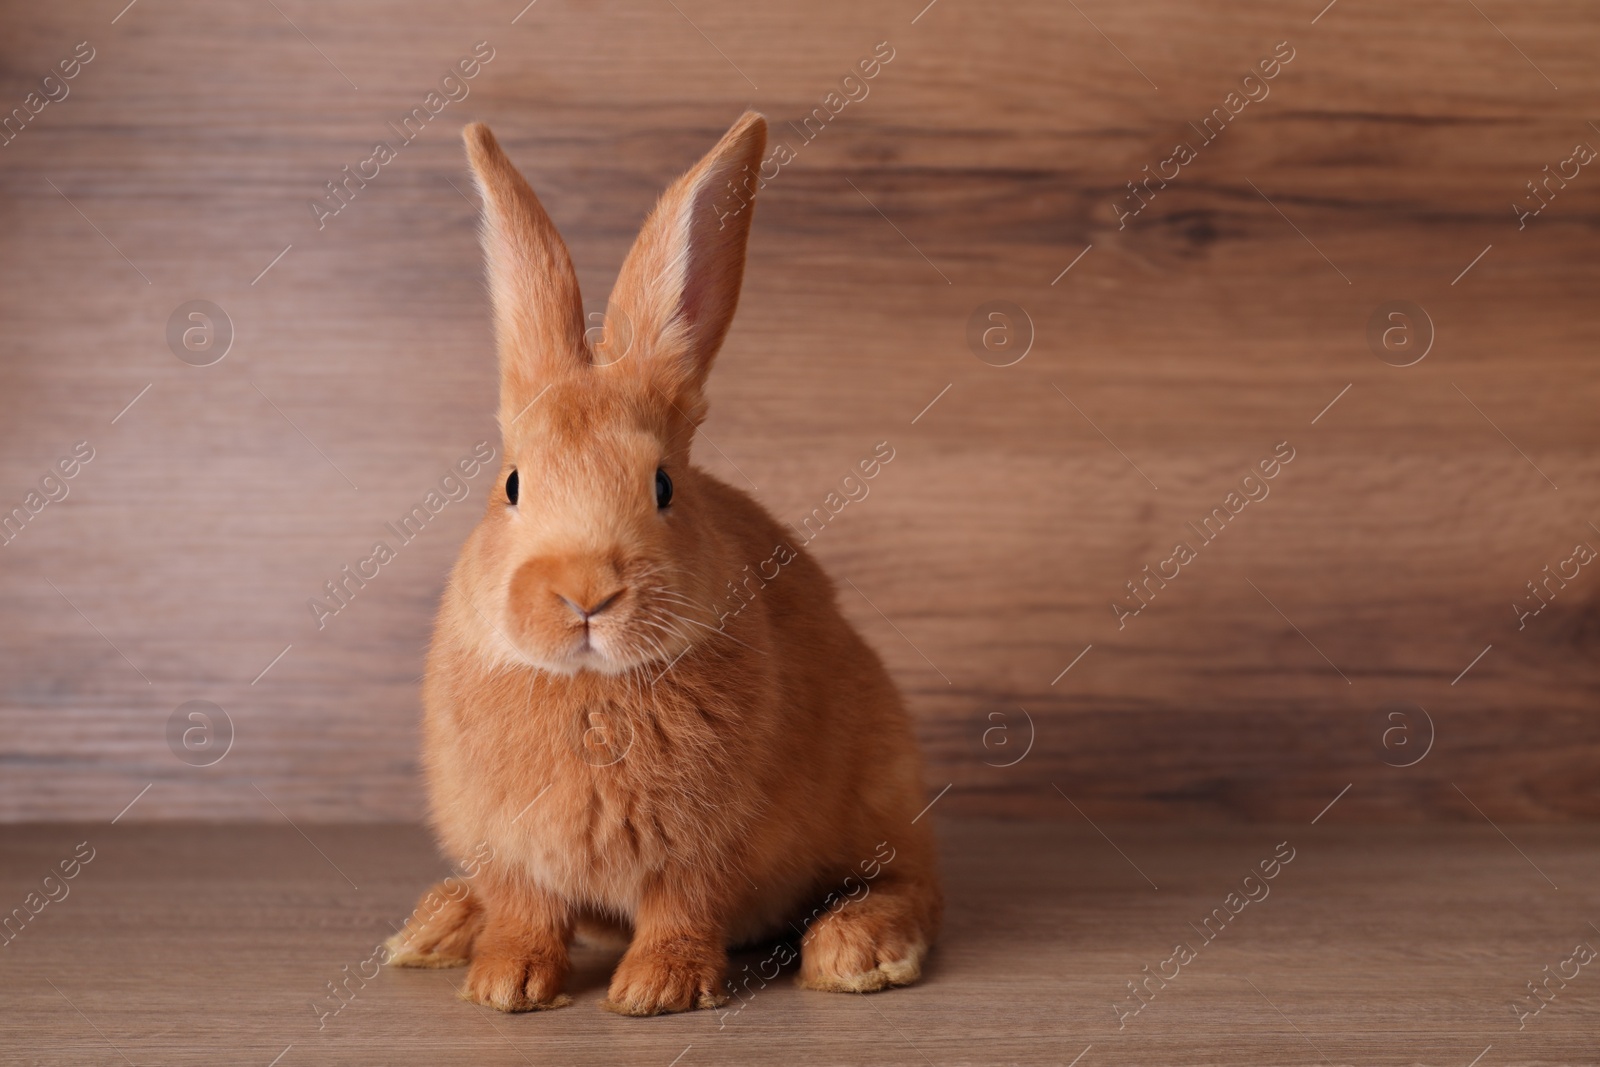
679, 286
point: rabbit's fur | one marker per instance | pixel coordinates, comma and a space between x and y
628, 763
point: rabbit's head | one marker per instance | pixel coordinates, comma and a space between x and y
601, 548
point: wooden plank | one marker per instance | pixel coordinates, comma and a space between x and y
1190, 343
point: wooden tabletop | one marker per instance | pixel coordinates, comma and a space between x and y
215, 944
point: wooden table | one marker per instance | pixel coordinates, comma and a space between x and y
211, 944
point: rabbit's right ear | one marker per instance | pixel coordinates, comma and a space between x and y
538, 312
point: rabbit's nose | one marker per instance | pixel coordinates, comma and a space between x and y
587, 613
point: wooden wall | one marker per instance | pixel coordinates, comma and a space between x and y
1177, 352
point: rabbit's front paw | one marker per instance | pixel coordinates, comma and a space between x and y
515, 983
868, 945
668, 976
440, 931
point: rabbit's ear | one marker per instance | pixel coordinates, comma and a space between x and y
679, 286
538, 311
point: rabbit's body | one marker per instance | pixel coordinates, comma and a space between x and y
653, 714
772, 771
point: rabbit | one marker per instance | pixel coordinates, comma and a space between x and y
621, 753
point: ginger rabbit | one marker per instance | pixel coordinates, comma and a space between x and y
632, 757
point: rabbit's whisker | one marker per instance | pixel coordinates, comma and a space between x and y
717, 630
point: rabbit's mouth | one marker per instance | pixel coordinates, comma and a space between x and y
588, 649
611, 646
589, 656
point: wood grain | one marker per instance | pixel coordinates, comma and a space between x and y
1222, 320
202, 944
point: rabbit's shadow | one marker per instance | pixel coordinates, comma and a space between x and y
751, 968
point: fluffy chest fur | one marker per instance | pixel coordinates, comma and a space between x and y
593, 786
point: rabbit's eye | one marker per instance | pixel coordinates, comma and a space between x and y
663, 488
511, 487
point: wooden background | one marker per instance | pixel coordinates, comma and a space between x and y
984, 160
